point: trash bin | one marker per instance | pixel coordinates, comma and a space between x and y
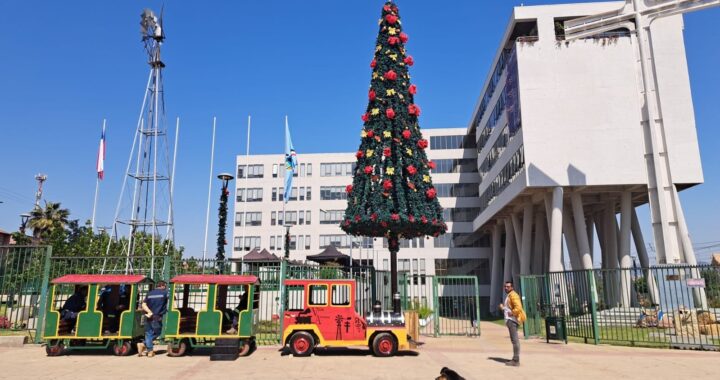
555, 327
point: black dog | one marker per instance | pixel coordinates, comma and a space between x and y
448, 374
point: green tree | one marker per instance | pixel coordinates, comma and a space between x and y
45, 220
392, 194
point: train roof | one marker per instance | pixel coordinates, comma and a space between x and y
223, 279
101, 279
319, 281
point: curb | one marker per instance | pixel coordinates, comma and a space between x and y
12, 341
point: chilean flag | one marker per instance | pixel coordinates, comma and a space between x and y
101, 156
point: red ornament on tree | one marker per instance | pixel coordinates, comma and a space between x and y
359, 154
370, 134
412, 89
423, 219
348, 189
394, 217
406, 134
391, 19
392, 40
414, 110
403, 37
373, 217
411, 219
431, 165
390, 75
387, 185
347, 222
371, 95
411, 170
390, 113
365, 117
357, 218
431, 193
386, 152
387, 8
368, 169
373, 63
422, 143
409, 60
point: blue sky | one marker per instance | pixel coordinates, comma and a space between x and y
67, 65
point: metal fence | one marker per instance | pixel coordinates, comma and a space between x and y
675, 306
447, 305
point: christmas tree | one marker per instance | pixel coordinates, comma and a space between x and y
392, 194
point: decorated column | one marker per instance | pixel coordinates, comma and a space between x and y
392, 194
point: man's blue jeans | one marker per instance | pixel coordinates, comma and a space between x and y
153, 328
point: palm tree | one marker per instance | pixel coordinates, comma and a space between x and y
43, 220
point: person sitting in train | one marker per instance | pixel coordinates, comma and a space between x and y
242, 305
112, 304
74, 304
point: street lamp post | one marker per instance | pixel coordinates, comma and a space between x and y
222, 219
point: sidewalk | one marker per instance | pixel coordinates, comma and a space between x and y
474, 358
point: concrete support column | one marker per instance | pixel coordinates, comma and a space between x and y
688, 252
556, 264
643, 256
571, 240
581, 231
612, 281
497, 269
538, 243
517, 228
509, 249
591, 237
525, 249
624, 252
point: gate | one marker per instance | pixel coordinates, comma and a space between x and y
456, 301
534, 295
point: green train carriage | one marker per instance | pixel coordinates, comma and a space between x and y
204, 308
110, 319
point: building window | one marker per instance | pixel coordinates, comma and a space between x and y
273, 218
307, 217
308, 195
275, 170
454, 165
293, 242
309, 170
274, 194
291, 217
461, 240
302, 193
301, 217
456, 189
467, 214
302, 170
331, 216
253, 171
253, 195
451, 142
506, 175
307, 241
300, 245
251, 242
407, 243
253, 219
337, 169
332, 193
238, 219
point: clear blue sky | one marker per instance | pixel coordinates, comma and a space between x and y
67, 65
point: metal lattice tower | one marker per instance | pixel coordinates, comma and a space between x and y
145, 204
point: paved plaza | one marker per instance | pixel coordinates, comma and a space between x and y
473, 358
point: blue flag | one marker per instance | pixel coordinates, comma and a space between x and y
290, 162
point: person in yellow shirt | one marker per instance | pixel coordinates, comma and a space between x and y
514, 316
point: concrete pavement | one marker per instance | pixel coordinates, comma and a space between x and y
473, 358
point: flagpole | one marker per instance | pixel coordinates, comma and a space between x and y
244, 215
97, 183
207, 213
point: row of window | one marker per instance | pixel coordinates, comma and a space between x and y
248, 219
331, 216
337, 169
495, 152
461, 240
253, 194
297, 242
258, 171
455, 165
296, 193
445, 190
344, 241
460, 214
494, 80
503, 179
290, 218
329, 193
507, 104
452, 142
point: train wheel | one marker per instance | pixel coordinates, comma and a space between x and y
122, 347
384, 345
302, 343
54, 348
179, 350
245, 348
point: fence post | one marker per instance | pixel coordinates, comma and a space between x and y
436, 304
166, 268
593, 305
477, 305
523, 291
42, 309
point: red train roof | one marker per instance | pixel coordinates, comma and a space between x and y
101, 279
319, 281
224, 279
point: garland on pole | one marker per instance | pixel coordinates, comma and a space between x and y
222, 224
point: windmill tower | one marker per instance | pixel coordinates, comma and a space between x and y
145, 204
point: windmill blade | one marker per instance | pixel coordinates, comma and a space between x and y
162, 28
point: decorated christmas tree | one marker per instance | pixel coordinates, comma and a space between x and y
392, 194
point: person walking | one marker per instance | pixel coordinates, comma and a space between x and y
514, 315
155, 307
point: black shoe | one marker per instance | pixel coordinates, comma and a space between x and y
512, 363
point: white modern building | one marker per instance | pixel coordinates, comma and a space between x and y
561, 144
318, 201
